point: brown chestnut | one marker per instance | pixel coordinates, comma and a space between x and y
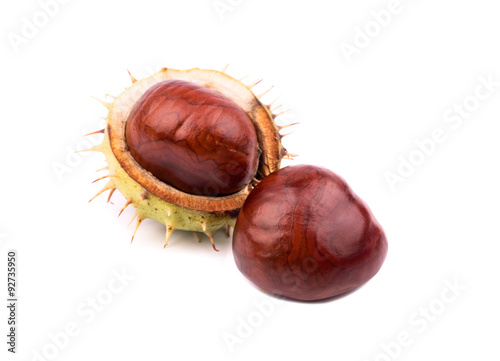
193, 138
302, 233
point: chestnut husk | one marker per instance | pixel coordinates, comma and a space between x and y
155, 199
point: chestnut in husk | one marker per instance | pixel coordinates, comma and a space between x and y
193, 138
302, 233
185, 148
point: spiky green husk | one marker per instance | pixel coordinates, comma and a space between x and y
138, 193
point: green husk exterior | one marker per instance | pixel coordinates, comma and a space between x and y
147, 204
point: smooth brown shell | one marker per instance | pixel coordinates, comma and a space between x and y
193, 139
302, 233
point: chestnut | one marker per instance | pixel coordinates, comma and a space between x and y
193, 139
302, 233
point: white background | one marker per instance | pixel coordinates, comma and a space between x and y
358, 118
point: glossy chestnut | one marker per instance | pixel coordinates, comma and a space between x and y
193, 138
302, 233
